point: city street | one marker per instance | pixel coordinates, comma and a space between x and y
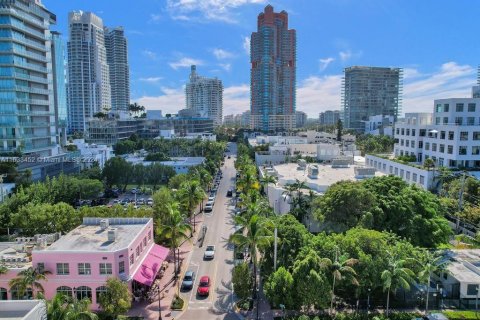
219, 223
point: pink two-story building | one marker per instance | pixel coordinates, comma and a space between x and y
81, 261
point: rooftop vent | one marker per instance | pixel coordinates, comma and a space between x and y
104, 224
112, 234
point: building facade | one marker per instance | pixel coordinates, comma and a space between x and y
380, 125
117, 59
300, 119
450, 136
369, 91
27, 107
273, 73
88, 88
59, 83
329, 117
205, 96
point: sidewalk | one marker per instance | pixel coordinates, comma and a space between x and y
168, 285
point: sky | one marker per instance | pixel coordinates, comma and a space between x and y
434, 41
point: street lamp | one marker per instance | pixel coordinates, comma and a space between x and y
159, 304
368, 300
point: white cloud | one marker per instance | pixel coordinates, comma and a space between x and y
185, 62
246, 45
325, 62
225, 66
149, 54
201, 10
155, 17
317, 94
221, 54
345, 55
151, 79
236, 99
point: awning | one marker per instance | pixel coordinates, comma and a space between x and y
151, 265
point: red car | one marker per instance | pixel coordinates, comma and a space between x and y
204, 286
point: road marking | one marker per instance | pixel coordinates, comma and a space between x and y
193, 287
214, 278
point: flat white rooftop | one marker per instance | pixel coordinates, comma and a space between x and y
289, 172
92, 238
22, 310
175, 161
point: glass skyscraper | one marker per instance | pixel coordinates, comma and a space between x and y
273, 73
27, 111
60, 92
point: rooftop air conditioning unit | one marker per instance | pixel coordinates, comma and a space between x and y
104, 224
112, 234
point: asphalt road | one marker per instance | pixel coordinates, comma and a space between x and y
219, 222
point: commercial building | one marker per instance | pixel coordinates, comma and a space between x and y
229, 120
329, 117
28, 123
300, 119
88, 88
93, 153
81, 261
204, 96
369, 91
273, 73
245, 119
60, 89
110, 131
117, 59
179, 164
379, 125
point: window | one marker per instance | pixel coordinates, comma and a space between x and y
459, 107
451, 135
420, 144
99, 291
407, 175
398, 131
445, 275
476, 150
132, 259
446, 107
437, 120
3, 294
407, 143
105, 268
476, 135
121, 267
414, 177
66, 291
434, 147
462, 150
41, 267
427, 145
408, 132
445, 120
459, 121
396, 171
62, 269
83, 292
442, 135
413, 132
403, 131
442, 148
450, 149
84, 269
463, 135
412, 143
470, 121
145, 242
401, 173
471, 107
422, 179
149, 236
472, 289
439, 108
423, 132
137, 251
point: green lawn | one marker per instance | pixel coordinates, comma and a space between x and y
460, 315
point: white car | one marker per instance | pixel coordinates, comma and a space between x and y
211, 199
208, 206
150, 201
209, 252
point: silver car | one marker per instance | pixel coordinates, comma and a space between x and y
209, 253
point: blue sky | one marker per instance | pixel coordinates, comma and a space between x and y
435, 41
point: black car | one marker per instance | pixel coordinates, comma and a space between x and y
229, 193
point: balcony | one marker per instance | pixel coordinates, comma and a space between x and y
28, 54
27, 89
27, 113
25, 101
23, 15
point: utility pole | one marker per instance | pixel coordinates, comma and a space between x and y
460, 200
1, 184
275, 251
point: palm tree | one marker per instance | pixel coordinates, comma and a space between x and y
396, 276
63, 307
289, 192
174, 229
29, 279
340, 269
255, 234
432, 262
191, 193
266, 180
3, 269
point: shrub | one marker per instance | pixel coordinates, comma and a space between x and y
177, 303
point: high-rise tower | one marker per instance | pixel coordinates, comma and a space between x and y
59, 83
117, 59
273, 73
27, 122
204, 96
370, 91
88, 88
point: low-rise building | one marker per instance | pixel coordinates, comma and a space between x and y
93, 153
81, 261
23, 310
179, 164
329, 117
380, 125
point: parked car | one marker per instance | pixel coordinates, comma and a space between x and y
133, 191
188, 280
209, 252
208, 206
204, 286
149, 201
211, 199
229, 157
229, 193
